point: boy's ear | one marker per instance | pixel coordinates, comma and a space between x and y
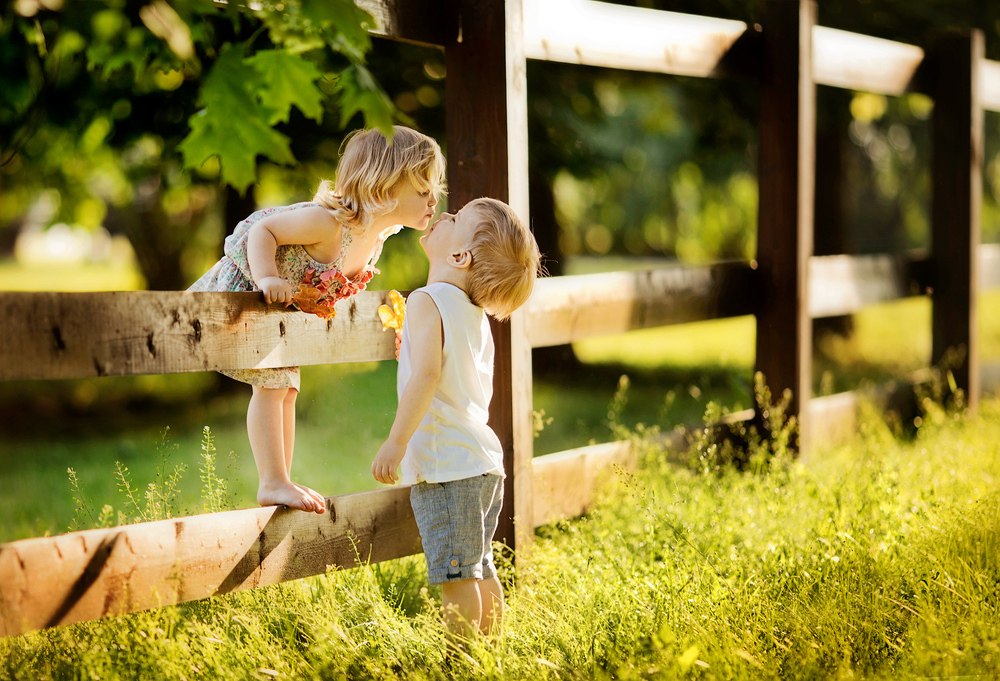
460, 259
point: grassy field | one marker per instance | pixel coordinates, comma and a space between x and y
879, 559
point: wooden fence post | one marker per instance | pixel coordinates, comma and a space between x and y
787, 178
487, 147
956, 202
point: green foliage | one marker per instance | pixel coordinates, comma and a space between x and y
170, 103
213, 487
161, 497
234, 124
769, 439
875, 560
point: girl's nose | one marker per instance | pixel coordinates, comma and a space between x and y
432, 201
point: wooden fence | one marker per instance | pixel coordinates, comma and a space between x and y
95, 573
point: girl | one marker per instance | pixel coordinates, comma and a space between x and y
312, 254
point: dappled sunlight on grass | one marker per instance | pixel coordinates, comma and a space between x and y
718, 343
112, 276
878, 559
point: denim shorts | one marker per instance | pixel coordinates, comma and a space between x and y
457, 521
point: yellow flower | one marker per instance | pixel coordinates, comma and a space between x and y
392, 317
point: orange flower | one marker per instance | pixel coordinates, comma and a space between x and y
308, 299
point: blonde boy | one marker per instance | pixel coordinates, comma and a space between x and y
483, 260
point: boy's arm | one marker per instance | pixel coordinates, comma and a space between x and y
426, 341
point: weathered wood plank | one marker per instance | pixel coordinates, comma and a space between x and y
989, 84
787, 162
835, 418
616, 36
861, 62
73, 335
989, 266
487, 122
842, 284
956, 206
412, 21
565, 309
566, 482
91, 574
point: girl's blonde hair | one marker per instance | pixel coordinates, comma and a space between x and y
505, 259
371, 169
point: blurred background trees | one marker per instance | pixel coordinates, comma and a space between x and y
166, 123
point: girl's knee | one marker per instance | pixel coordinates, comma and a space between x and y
270, 394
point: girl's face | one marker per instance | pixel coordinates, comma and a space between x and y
416, 206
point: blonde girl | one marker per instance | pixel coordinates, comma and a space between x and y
311, 255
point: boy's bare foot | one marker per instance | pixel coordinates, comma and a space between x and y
290, 495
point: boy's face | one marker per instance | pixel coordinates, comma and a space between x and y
451, 233
416, 206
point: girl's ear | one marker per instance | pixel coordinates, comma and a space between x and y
460, 259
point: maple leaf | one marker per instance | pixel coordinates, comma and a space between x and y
349, 24
359, 91
289, 80
233, 124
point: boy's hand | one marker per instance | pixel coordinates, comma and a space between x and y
276, 290
386, 463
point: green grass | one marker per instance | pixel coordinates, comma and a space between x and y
120, 275
878, 559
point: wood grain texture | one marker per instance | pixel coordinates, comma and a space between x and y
860, 62
570, 308
843, 284
74, 335
566, 483
91, 574
633, 38
411, 21
786, 172
989, 84
957, 138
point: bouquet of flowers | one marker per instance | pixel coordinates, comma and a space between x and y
318, 294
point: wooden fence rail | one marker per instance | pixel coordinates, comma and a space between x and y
84, 575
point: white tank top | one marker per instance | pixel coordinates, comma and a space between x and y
453, 440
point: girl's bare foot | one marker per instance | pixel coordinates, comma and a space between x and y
290, 495
317, 497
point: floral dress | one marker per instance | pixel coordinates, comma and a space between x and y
320, 284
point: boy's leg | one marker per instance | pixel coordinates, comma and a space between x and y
463, 607
265, 428
491, 597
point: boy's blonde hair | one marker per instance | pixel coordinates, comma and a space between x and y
372, 167
505, 259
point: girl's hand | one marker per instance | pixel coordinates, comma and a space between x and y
276, 290
386, 463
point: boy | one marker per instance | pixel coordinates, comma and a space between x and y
482, 260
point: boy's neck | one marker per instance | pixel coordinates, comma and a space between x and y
448, 275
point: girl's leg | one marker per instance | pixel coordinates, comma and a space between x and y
463, 606
265, 428
288, 431
491, 596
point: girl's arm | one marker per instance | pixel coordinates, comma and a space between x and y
306, 226
426, 342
